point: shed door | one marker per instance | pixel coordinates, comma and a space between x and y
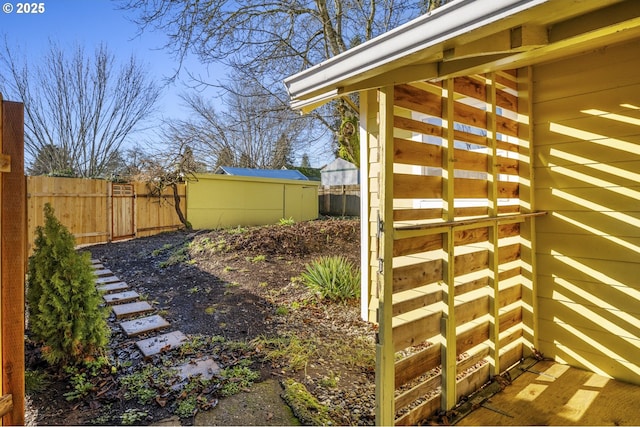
122, 205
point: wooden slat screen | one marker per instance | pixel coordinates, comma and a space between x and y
467, 240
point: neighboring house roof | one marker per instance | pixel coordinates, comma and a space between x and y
338, 165
467, 37
262, 173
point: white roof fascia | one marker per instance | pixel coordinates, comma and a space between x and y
444, 23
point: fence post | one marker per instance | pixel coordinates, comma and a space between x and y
13, 259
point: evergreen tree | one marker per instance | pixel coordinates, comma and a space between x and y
65, 312
306, 163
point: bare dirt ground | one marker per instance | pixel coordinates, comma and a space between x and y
236, 295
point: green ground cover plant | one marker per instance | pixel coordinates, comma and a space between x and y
333, 277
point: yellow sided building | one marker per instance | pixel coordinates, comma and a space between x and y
500, 192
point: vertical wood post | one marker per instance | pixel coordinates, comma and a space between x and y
109, 206
385, 352
494, 259
527, 205
448, 327
366, 97
12, 254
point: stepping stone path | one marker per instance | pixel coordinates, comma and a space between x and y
125, 303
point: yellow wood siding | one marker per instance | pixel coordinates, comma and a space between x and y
216, 201
586, 113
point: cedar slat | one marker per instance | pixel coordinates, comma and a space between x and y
415, 275
414, 245
510, 318
416, 331
471, 87
511, 356
407, 186
472, 337
412, 98
416, 153
473, 381
418, 391
417, 364
468, 263
471, 310
468, 115
472, 285
472, 359
417, 126
417, 214
420, 413
418, 301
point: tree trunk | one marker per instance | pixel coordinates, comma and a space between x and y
176, 200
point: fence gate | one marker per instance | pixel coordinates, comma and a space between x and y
122, 211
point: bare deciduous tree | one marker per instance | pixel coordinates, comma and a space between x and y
79, 109
166, 167
252, 131
269, 41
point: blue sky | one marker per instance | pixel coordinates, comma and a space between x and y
90, 22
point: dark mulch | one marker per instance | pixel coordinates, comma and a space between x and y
238, 284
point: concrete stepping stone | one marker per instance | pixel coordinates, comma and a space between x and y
120, 297
97, 266
164, 342
143, 324
107, 279
103, 272
95, 261
112, 287
206, 368
131, 309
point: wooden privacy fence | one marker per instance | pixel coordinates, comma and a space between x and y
451, 258
342, 200
98, 211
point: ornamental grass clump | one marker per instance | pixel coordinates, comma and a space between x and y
334, 278
65, 313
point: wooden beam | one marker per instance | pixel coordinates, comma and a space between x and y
368, 109
615, 24
448, 322
586, 24
528, 204
529, 36
12, 257
406, 74
508, 41
494, 258
413, 230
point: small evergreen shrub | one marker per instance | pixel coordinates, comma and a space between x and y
64, 306
334, 277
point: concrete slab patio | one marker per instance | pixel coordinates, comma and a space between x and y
555, 394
